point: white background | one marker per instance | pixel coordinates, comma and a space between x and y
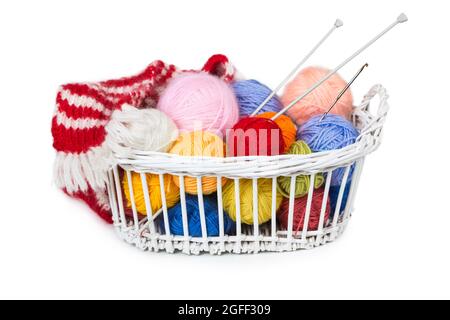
397, 244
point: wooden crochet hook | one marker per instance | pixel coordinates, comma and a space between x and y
338, 23
400, 19
344, 90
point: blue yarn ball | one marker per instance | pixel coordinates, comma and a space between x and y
250, 94
334, 194
193, 214
333, 132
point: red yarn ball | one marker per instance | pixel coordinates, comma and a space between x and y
252, 136
300, 211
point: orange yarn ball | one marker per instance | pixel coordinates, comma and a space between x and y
154, 191
321, 99
287, 126
199, 144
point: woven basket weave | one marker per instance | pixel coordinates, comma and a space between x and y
145, 234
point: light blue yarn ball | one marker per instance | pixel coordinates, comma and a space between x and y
250, 94
193, 215
333, 132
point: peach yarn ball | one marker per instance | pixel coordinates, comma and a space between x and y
321, 99
199, 144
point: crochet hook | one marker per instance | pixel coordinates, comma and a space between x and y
344, 90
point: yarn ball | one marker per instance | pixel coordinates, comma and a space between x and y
302, 182
333, 132
139, 129
318, 101
253, 136
200, 101
300, 212
199, 144
246, 200
287, 126
250, 94
334, 194
193, 216
154, 191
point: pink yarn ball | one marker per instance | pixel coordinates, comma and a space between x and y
320, 100
200, 102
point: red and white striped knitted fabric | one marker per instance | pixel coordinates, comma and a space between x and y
82, 112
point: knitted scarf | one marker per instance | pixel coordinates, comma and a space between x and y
82, 112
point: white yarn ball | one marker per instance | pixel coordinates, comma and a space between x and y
139, 129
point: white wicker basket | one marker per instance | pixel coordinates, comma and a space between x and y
147, 235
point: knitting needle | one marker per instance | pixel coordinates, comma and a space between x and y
400, 19
344, 90
338, 23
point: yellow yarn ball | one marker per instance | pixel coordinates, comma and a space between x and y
200, 144
154, 191
246, 200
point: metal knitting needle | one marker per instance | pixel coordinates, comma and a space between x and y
344, 90
400, 19
338, 23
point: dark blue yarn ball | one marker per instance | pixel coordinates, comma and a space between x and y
193, 214
333, 132
250, 94
334, 194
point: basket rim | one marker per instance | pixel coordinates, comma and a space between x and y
369, 125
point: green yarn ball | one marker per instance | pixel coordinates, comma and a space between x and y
302, 182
